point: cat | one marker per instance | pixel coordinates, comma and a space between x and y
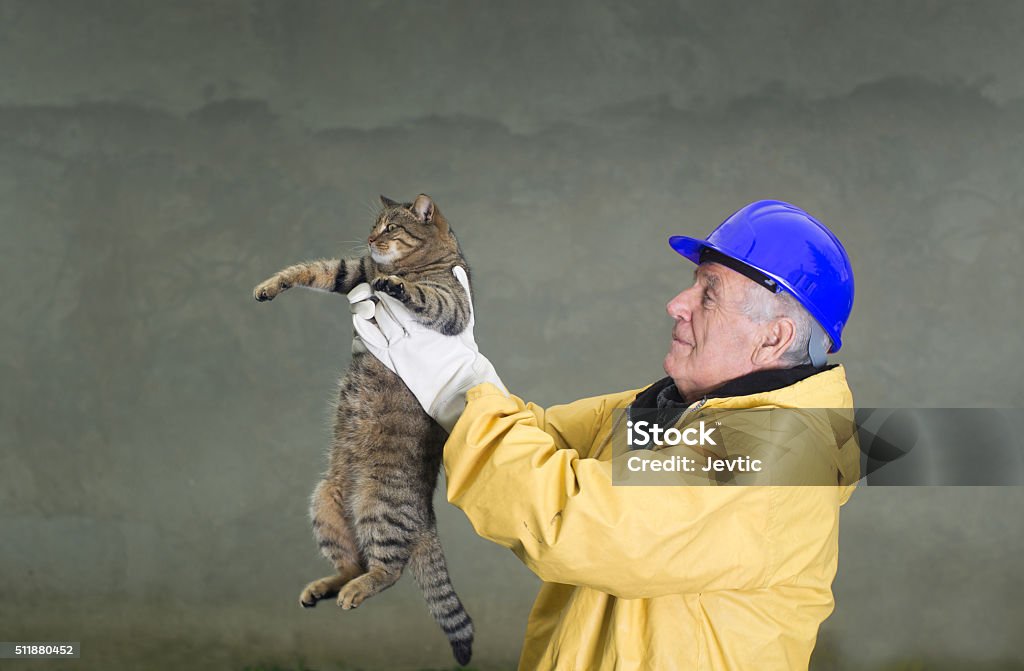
372, 512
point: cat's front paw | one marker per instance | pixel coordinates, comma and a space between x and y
392, 286
268, 290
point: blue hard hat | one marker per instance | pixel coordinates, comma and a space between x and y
782, 247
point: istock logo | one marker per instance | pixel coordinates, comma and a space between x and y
643, 433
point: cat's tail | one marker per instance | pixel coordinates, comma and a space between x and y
431, 573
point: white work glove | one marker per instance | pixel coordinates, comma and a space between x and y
438, 369
362, 309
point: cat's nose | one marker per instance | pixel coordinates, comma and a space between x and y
371, 239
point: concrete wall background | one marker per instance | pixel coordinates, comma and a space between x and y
161, 431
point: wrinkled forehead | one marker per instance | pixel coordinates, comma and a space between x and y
721, 279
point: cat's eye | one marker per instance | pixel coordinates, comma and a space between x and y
389, 228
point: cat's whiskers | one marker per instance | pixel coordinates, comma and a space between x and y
372, 208
352, 247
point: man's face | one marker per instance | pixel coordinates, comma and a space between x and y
713, 340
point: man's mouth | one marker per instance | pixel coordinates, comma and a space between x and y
679, 340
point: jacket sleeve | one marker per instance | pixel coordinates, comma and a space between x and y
517, 473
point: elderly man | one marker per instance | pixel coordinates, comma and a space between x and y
686, 577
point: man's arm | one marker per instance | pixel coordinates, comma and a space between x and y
575, 425
565, 520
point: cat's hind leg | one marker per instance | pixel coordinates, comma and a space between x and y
388, 526
321, 589
359, 589
336, 541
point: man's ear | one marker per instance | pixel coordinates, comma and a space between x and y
776, 337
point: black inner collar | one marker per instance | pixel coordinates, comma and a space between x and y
665, 394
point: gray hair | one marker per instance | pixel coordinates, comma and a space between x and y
762, 306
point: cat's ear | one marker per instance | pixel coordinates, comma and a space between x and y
423, 208
387, 202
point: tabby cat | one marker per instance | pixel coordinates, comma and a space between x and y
373, 510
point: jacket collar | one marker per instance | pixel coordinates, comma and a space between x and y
665, 394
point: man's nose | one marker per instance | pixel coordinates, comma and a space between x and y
681, 306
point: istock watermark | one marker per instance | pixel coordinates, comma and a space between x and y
644, 434
711, 446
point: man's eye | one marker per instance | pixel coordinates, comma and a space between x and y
707, 299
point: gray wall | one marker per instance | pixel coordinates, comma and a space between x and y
161, 431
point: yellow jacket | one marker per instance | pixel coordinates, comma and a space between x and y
712, 577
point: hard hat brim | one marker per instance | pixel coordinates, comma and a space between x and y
691, 247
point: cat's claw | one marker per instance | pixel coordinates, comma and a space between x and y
391, 285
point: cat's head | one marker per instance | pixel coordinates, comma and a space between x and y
406, 234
